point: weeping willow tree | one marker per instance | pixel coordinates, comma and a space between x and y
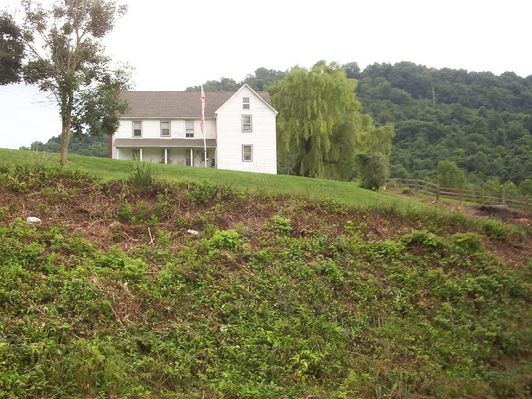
320, 122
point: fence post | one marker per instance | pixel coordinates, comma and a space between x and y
438, 193
503, 197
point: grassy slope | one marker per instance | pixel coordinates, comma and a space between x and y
277, 298
346, 192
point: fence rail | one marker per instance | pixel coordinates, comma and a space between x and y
477, 196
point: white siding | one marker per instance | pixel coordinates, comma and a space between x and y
151, 128
230, 137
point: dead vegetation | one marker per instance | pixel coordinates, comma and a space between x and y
96, 212
118, 214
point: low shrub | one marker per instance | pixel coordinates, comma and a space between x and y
495, 229
372, 169
281, 225
26, 177
140, 174
125, 213
468, 242
225, 239
141, 212
423, 239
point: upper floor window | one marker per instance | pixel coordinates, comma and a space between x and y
165, 128
247, 153
137, 129
189, 128
247, 125
245, 102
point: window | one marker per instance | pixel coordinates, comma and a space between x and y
165, 128
246, 124
245, 102
189, 128
247, 153
136, 154
137, 129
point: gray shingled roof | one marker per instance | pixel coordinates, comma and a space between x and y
175, 104
163, 142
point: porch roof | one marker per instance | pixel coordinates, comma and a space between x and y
163, 143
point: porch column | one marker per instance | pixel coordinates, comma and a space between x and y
165, 156
191, 157
140, 153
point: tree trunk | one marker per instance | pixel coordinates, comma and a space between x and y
65, 140
66, 124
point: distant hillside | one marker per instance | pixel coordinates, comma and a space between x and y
481, 121
86, 145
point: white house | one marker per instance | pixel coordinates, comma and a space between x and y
164, 126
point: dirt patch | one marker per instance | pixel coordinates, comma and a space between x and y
117, 214
501, 212
97, 213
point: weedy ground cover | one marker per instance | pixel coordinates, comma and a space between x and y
278, 296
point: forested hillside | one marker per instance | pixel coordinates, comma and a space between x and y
481, 121
86, 145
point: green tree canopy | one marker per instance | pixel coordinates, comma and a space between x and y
11, 50
262, 78
65, 57
450, 175
93, 145
525, 187
319, 121
224, 84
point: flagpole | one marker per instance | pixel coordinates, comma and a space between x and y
202, 123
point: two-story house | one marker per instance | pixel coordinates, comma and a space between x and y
164, 126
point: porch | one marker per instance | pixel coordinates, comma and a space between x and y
186, 152
192, 156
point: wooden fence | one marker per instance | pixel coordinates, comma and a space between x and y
476, 196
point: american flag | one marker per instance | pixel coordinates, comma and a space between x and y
202, 116
202, 125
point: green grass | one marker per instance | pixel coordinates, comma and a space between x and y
106, 169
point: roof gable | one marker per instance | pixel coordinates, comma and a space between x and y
177, 104
259, 95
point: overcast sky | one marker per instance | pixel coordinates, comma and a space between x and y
174, 44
